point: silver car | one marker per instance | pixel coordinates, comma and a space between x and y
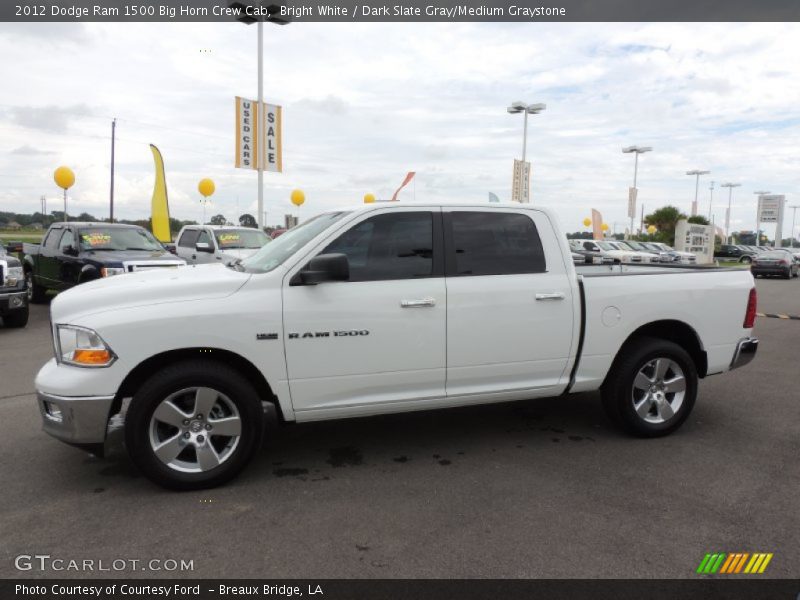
198, 244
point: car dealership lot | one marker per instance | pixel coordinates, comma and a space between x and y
538, 489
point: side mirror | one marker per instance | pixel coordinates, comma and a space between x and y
325, 267
204, 247
170, 248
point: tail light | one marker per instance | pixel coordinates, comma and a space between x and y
783, 261
750, 315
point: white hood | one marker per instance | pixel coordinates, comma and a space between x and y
147, 288
232, 254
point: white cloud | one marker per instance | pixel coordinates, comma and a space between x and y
364, 103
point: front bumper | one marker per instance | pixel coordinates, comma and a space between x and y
75, 419
745, 352
12, 301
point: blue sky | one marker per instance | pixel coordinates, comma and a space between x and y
364, 103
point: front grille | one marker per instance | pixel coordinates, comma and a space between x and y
132, 268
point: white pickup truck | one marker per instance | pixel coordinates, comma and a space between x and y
381, 309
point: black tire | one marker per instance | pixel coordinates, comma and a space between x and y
788, 274
195, 373
36, 293
746, 260
17, 318
619, 395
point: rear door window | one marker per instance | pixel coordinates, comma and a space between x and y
493, 243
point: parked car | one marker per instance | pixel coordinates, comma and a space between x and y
13, 291
589, 257
378, 309
732, 252
74, 253
199, 244
657, 254
607, 251
686, 258
775, 263
636, 256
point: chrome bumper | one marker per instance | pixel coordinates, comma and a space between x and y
75, 420
745, 352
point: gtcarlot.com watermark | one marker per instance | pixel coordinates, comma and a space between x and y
49, 563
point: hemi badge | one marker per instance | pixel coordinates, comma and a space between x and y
266, 336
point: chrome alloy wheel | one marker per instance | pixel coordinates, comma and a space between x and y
195, 429
659, 389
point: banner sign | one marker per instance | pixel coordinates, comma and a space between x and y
273, 154
597, 225
632, 194
521, 182
255, 148
246, 133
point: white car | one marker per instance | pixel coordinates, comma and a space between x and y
198, 244
381, 309
638, 256
608, 249
686, 258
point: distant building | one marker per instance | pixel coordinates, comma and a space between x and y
13, 225
37, 226
290, 221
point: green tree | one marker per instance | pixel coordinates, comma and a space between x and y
248, 220
665, 220
218, 220
699, 220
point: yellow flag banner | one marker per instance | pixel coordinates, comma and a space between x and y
160, 204
597, 225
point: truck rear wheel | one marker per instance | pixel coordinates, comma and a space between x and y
36, 293
194, 425
651, 388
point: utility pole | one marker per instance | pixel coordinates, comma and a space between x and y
710, 201
758, 212
636, 150
696, 173
730, 187
794, 214
113, 138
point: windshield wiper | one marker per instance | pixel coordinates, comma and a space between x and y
236, 265
143, 249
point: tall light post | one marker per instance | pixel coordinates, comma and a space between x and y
636, 151
730, 187
794, 208
272, 12
526, 109
710, 200
758, 211
697, 174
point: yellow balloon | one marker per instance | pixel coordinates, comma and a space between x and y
604, 227
651, 229
369, 198
298, 197
587, 221
206, 187
64, 177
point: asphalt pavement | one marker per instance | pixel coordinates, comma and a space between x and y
545, 488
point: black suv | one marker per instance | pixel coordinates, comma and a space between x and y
13, 291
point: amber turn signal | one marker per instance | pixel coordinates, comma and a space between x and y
91, 357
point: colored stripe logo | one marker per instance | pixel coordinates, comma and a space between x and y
734, 563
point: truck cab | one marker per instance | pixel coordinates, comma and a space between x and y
199, 244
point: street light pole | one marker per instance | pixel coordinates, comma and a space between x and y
710, 200
636, 150
794, 214
730, 187
697, 174
526, 109
758, 212
273, 16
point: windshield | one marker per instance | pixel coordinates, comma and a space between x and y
276, 252
606, 246
637, 246
228, 239
118, 238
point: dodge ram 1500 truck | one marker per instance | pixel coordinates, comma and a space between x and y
381, 309
74, 253
13, 294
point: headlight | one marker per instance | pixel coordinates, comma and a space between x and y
109, 271
15, 274
82, 347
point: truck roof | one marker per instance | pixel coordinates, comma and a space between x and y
95, 224
423, 204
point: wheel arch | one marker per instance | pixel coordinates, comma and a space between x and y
139, 374
674, 331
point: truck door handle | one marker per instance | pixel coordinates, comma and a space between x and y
418, 303
553, 296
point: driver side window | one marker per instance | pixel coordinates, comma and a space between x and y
68, 239
385, 247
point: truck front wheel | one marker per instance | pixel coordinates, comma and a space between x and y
651, 388
194, 425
